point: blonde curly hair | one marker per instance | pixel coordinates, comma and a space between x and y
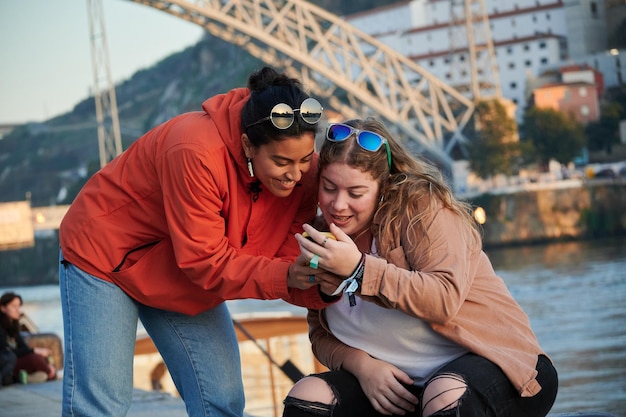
409, 189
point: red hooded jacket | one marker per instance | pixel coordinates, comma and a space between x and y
172, 220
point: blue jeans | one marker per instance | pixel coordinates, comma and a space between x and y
100, 325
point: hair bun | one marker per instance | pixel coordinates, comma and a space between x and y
267, 77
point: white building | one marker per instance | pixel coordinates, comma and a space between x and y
529, 37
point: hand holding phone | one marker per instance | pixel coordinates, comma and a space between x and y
327, 235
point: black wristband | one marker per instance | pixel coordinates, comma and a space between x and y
328, 298
357, 276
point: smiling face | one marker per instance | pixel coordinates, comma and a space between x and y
348, 197
279, 165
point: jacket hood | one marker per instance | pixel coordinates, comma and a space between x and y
225, 111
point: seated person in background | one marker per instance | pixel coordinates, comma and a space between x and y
15, 354
424, 326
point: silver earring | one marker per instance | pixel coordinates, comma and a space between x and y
250, 169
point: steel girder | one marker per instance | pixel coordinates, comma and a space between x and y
357, 74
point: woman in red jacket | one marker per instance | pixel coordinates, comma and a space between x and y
424, 326
199, 210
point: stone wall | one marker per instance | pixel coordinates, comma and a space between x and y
592, 210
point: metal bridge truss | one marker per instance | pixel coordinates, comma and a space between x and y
109, 134
470, 36
357, 74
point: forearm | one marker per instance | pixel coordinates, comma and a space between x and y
329, 350
356, 363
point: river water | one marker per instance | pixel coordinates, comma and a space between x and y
574, 294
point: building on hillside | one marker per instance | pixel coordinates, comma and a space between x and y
576, 99
574, 90
611, 64
529, 38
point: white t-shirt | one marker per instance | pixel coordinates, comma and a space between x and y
392, 336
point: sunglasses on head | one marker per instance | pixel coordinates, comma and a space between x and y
370, 141
282, 114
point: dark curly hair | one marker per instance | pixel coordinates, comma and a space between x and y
268, 88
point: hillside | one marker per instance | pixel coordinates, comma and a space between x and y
44, 158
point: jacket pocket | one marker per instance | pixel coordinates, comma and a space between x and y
133, 255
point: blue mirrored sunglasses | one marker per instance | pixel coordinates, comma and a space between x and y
370, 141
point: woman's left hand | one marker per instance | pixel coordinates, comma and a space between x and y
339, 256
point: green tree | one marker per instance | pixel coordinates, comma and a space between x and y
553, 135
604, 133
494, 148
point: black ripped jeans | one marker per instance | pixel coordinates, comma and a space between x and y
489, 393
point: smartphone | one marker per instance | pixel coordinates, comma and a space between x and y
327, 234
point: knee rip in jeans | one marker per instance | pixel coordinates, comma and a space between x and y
310, 407
443, 395
313, 408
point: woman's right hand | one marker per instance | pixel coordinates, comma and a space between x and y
300, 273
328, 281
382, 383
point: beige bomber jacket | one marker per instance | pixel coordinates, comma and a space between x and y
442, 281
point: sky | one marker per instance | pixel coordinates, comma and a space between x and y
45, 51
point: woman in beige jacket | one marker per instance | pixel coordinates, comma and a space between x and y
423, 325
